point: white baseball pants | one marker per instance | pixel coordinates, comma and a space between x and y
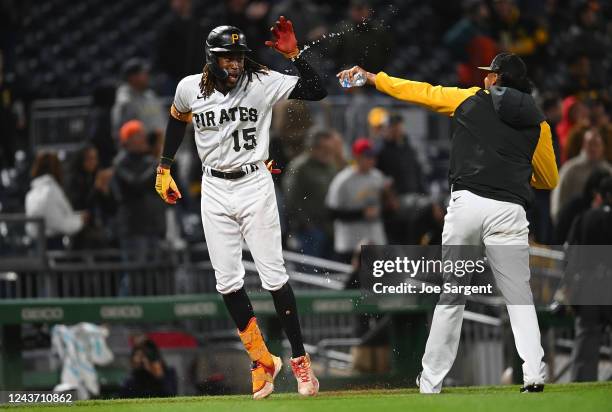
503, 229
244, 208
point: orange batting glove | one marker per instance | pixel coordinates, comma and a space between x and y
271, 168
284, 40
165, 186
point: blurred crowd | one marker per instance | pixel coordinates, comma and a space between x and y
339, 188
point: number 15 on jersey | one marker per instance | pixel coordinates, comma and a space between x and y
248, 136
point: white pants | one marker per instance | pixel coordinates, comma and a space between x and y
245, 208
503, 229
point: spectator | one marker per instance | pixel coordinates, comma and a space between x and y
184, 30
587, 36
47, 199
355, 122
578, 205
141, 216
556, 16
601, 109
306, 182
515, 33
574, 174
252, 17
398, 160
583, 78
149, 377
470, 42
378, 123
480, 49
136, 101
576, 136
101, 133
355, 200
576, 140
574, 114
475, 22
88, 189
594, 227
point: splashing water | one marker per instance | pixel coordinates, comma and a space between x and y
327, 36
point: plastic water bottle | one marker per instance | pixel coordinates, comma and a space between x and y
358, 81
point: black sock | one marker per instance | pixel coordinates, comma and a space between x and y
239, 306
286, 309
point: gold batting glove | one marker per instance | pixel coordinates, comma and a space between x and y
165, 186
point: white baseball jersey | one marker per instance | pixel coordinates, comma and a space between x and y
234, 129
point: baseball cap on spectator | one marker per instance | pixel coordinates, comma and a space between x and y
507, 63
129, 129
363, 147
378, 116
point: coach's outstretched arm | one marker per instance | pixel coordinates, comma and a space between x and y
445, 100
440, 99
309, 86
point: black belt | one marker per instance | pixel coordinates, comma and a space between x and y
231, 175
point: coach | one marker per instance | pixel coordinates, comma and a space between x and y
501, 144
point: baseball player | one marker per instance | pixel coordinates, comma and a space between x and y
500, 145
230, 107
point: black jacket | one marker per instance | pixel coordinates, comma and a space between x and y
140, 210
399, 161
500, 145
494, 138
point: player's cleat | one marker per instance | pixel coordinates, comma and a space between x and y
418, 380
263, 377
308, 384
265, 365
534, 387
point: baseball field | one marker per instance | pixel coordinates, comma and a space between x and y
592, 397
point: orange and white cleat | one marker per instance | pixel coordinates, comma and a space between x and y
265, 365
263, 377
308, 384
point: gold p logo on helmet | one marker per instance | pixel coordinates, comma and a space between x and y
235, 37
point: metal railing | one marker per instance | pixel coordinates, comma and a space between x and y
59, 123
189, 271
62, 124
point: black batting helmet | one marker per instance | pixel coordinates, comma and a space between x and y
224, 39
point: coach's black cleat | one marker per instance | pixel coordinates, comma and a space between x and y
536, 387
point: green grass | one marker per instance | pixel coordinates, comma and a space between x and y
592, 397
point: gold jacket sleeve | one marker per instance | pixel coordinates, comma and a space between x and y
437, 98
183, 117
545, 173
